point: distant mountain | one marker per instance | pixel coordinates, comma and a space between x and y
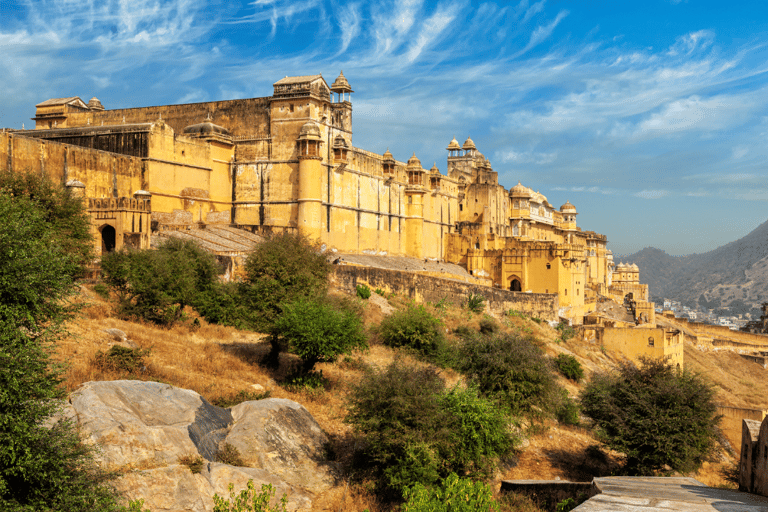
734, 275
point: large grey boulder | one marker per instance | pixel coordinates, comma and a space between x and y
144, 428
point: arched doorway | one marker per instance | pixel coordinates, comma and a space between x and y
108, 236
515, 285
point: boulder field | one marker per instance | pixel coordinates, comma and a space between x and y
144, 429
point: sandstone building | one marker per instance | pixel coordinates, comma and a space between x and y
287, 162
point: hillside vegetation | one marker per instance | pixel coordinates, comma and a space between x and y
734, 275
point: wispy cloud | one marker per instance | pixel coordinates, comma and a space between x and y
652, 194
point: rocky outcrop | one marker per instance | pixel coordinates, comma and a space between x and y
144, 428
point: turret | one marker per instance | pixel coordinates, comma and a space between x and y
310, 181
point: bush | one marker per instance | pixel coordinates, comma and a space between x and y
222, 304
44, 245
454, 495
655, 415
249, 500
414, 328
121, 359
476, 303
569, 367
363, 291
157, 285
228, 454
566, 331
512, 370
195, 463
567, 410
488, 326
317, 332
418, 432
282, 269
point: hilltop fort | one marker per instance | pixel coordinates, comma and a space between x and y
287, 162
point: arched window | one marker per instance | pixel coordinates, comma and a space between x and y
108, 236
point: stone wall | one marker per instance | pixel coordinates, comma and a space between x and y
423, 288
731, 423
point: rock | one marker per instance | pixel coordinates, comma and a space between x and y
127, 344
143, 428
280, 436
258, 388
117, 334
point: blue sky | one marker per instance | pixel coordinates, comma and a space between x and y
650, 116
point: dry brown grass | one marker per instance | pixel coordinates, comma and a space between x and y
218, 362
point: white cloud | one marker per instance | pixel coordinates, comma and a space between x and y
652, 194
525, 157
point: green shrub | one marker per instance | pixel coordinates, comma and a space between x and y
419, 432
379, 291
655, 415
453, 495
317, 332
567, 410
512, 370
488, 326
249, 500
363, 291
569, 367
102, 290
221, 304
134, 506
475, 303
566, 331
121, 359
282, 269
413, 327
157, 285
306, 380
44, 245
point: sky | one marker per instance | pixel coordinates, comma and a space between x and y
650, 116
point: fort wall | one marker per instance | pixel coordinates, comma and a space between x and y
732, 421
424, 288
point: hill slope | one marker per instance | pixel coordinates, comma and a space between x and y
735, 274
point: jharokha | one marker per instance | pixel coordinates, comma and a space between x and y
287, 162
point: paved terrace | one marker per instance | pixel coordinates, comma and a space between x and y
641, 494
404, 263
220, 240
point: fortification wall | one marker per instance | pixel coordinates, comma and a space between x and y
423, 288
731, 422
723, 335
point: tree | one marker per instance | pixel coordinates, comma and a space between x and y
317, 331
43, 464
157, 285
281, 269
654, 414
417, 431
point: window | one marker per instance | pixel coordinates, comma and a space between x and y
290, 107
650, 341
549, 266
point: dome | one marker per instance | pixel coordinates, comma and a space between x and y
414, 162
310, 131
206, 128
341, 84
635, 268
340, 142
95, 104
519, 191
387, 157
568, 208
434, 169
469, 144
454, 145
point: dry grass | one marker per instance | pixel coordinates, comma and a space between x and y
218, 362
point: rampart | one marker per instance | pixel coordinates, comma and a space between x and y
722, 335
731, 422
424, 288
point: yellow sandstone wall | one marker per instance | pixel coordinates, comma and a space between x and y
635, 342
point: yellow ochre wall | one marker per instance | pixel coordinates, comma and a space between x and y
633, 342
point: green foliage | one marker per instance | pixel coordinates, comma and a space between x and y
195, 463
454, 495
38, 268
222, 304
566, 505
43, 464
567, 410
306, 380
379, 291
419, 432
566, 331
413, 327
134, 506
121, 359
512, 370
569, 367
102, 290
317, 331
282, 269
654, 414
488, 326
157, 285
363, 291
229, 454
244, 395
475, 303
249, 500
